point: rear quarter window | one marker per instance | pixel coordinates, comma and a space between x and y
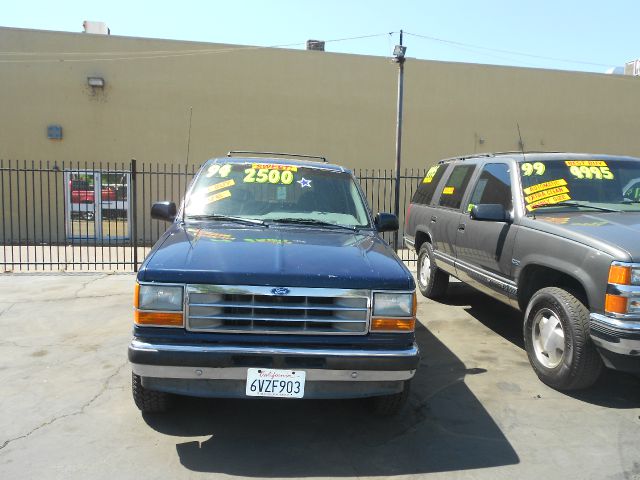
455, 186
428, 185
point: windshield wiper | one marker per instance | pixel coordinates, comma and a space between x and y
575, 204
231, 218
310, 221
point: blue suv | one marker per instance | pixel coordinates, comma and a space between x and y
273, 281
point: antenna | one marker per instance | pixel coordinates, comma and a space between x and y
189, 135
187, 160
521, 143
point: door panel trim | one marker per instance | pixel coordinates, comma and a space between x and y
495, 282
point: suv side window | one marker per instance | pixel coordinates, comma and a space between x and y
493, 186
427, 187
455, 186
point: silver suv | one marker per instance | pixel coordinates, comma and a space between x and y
556, 235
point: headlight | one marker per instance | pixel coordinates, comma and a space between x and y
392, 304
394, 312
160, 297
159, 305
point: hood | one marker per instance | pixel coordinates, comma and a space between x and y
616, 233
278, 256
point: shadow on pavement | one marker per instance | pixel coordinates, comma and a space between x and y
613, 389
444, 428
493, 314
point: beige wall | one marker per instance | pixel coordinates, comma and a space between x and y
339, 105
456, 104
282, 100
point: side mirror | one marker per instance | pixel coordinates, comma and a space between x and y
386, 222
490, 212
164, 211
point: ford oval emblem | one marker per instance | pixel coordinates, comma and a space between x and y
280, 291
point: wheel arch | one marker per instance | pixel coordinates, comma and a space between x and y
535, 277
422, 237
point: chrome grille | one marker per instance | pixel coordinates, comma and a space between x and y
251, 309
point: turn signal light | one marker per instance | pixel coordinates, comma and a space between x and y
393, 324
615, 304
415, 305
162, 319
620, 275
136, 296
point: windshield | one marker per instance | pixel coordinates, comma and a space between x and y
611, 185
277, 193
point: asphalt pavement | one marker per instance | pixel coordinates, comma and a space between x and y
476, 409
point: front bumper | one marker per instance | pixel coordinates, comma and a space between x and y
618, 341
221, 370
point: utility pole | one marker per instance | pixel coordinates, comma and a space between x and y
398, 53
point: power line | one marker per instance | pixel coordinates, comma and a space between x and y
509, 52
153, 54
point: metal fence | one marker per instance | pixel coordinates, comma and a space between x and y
50, 219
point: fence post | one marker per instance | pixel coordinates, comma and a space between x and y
134, 214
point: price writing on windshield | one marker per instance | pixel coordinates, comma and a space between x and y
428, 178
218, 196
537, 168
549, 201
220, 170
274, 166
546, 193
590, 172
265, 175
544, 186
221, 185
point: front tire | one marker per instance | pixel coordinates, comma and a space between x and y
149, 401
432, 282
556, 338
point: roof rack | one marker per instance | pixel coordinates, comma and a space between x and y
273, 154
493, 154
520, 152
466, 157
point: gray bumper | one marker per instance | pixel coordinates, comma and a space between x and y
221, 370
620, 336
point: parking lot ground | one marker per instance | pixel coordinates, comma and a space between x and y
476, 409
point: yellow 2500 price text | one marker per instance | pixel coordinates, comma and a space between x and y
265, 175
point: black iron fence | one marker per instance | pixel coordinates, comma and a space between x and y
50, 219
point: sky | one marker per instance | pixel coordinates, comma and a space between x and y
586, 35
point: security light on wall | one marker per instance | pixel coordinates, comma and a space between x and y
95, 82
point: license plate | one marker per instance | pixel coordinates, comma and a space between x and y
268, 382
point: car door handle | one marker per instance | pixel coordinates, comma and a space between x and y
434, 218
461, 226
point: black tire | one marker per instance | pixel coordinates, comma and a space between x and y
389, 405
580, 364
433, 284
149, 401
